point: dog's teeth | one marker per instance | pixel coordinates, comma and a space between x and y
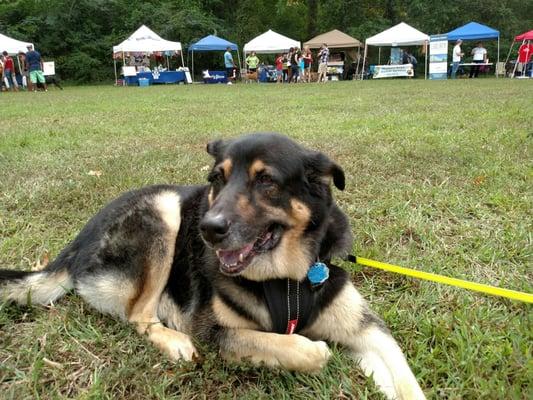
218, 253
241, 257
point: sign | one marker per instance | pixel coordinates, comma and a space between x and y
49, 68
395, 55
393, 71
438, 57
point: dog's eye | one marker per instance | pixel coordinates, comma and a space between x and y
264, 180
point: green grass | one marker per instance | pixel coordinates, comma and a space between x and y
439, 178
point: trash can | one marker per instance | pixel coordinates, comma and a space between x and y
144, 82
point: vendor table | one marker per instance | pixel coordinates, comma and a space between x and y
154, 77
216, 77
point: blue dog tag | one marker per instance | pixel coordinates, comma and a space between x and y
318, 274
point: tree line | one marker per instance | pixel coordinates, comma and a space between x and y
79, 34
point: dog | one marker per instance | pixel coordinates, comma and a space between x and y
251, 77
243, 263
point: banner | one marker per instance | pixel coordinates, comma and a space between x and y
438, 57
393, 71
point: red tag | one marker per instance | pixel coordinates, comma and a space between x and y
291, 326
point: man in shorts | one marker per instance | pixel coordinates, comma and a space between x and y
323, 58
35, 66
229, 64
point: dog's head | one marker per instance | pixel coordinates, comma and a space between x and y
271, 213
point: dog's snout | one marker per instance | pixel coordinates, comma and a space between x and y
214, 228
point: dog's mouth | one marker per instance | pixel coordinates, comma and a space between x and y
233, 262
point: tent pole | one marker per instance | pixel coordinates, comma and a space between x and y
363, 66
379, 55
516, 62
124, 64
239, 59
115, 63
182, 64
426, 63
498, 61
192, 65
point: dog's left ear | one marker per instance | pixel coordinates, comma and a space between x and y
215, 147
319, 165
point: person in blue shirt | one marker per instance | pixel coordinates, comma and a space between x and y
35, 67
229, 64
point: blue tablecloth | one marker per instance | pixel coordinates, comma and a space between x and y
164, 77
216, 77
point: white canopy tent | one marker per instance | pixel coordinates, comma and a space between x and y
145, 40
13, 46
270, 42
399, 35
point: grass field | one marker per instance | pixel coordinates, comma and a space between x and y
439, 178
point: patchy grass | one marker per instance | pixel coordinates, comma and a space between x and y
439, 177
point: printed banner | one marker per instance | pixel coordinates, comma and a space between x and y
393, 71
438, 57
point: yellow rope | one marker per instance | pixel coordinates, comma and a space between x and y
428, 276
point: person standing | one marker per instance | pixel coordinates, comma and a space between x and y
9, 72
230, 65
308, 61
252, 62
35, 67
295, 65
323, 57
457, 53
479, 54
279, 68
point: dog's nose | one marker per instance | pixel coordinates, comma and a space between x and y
214, 228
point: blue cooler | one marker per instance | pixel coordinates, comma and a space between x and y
144, 82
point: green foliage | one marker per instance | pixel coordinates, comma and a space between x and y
79, 34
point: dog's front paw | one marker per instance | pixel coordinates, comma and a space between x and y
177, 345
306, 355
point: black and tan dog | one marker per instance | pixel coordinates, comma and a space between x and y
230, 263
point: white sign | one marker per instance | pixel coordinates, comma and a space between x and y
129, 70
393, 71
438, 57
49, 68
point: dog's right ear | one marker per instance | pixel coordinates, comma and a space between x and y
215, 147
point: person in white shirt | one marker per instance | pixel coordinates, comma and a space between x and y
479, 54
456, 57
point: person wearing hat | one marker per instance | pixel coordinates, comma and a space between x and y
35, 66
456, 57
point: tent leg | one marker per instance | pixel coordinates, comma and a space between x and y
192, 66
498, 60
363, 66
516, 63
182, 64
426, 62
379, 56
115, 64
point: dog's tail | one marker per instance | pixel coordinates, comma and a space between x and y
36, 287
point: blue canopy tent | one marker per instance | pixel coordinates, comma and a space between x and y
475, 31
212, 43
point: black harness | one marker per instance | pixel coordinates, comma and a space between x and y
290, 304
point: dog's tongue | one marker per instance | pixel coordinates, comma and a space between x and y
232, 257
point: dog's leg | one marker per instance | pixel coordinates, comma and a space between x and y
133, 291
291, 352
143, 311
349, 321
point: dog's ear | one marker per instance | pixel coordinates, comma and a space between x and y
215, 147
318, 165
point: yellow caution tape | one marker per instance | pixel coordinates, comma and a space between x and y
428, 276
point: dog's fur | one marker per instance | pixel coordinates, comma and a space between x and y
251, 77
186, 263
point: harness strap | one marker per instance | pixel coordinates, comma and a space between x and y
290, 304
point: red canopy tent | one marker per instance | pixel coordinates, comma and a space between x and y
524, 37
